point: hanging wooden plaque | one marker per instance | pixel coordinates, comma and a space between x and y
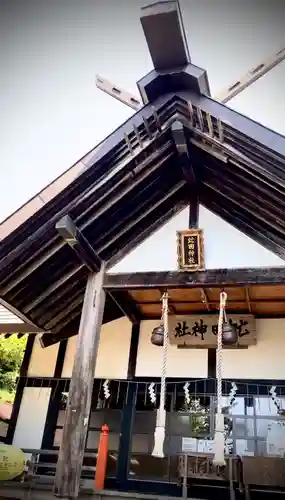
190, 250
195, 331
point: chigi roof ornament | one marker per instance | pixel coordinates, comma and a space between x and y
181, 148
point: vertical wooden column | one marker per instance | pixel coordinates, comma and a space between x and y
133, 351
193, 224
128, 413
126, 436
71, 454
194, 211
55, 398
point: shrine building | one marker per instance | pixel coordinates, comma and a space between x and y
96, 351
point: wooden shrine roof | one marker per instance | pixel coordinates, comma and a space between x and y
181, 142
261, 301
256, 291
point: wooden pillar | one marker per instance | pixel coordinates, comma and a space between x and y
71, 454
194, 212
133, 354
126, 436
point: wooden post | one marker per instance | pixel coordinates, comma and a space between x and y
101, 464
71, 454
124, 454
194, 212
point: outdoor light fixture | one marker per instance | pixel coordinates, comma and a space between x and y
157, 336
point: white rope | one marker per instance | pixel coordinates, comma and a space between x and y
219, 446
159, 433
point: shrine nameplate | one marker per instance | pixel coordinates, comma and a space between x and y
190, 250
201, 331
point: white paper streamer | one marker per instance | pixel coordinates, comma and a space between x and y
106, 389
187, 393
151, 392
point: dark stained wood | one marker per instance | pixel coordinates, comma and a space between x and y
265, 301
238, 217
87, 255
75, 427
29, 254
179, 137
264, 471
194, 211
163, 21
18, 328
79, 244
133, 351
212, 278
147, 232
212, 358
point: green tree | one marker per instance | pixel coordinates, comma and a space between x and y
11, 356
198, 418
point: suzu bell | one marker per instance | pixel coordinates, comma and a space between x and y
157, 336
229, 333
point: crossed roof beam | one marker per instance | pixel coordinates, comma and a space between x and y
164, 31
215, 136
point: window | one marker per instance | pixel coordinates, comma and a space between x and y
181, 421
103, 411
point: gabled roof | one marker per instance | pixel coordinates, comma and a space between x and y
180, 142
132, 185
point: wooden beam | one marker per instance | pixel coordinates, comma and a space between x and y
115, 185
182, 148
111, 313
208, 302
18, 328
153, 225
194, 211
179, 138
212, 278
247, 294
87, 255
205, 299
79, 244
133, 351
163, 21
244, 222
70, 459
118, 93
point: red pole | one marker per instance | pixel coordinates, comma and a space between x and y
102, 457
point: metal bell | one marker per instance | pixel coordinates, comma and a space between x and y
229, 333
157, 336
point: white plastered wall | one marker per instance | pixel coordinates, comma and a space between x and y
43, 360
265, 360
192, 363
113, 351
32, 417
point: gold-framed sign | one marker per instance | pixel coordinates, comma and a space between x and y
190, 250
